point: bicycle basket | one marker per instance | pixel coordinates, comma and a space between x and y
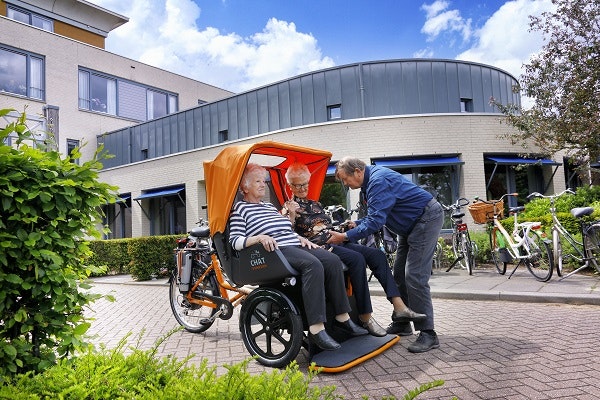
484, 212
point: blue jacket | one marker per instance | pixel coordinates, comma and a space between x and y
392, 200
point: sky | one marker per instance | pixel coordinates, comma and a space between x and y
240, 45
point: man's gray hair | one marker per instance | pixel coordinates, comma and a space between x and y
349, 165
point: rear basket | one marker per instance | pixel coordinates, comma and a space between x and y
484, 212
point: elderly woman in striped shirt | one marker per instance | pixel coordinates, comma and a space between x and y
255, 221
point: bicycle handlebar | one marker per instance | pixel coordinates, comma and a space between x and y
461, 202
496, 201
552, 196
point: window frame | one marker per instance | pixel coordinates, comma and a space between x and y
29, 85
31, 16
85, 95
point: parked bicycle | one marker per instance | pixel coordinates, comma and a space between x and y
464, 248
586, 251
526, 243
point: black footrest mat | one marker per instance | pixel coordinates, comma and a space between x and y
353, 352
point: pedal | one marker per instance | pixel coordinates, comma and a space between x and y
205, 321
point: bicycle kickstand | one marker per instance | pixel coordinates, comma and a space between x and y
454, 263
515, 268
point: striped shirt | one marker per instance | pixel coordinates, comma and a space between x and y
252, 219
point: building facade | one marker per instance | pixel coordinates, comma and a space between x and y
428, 119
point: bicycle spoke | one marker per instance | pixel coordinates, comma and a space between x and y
592, 245
539, 263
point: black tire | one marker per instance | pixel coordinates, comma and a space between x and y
193, 317
557, 256
591, 242
271, 327
469, 252
540, 261
495, 238
457, 249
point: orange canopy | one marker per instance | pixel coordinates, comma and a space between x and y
223, 174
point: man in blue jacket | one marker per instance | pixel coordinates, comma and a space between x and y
417, 218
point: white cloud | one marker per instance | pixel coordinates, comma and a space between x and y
504, 40
165, 34
439, 19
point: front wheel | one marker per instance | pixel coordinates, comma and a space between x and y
495, 240
193, 317
591, 242
539, 262
557, 252
271, 327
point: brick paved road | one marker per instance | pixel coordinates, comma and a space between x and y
489, 349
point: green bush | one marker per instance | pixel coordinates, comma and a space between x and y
150, 256
49, 207
109, 374
111, 254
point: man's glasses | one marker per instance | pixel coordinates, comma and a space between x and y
299, 186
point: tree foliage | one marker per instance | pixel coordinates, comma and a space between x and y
563, 80
49, 206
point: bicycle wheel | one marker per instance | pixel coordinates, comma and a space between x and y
591, 243
539, 262
194, 318
495, 239
458, 250
271, 327
557, 252
468, 252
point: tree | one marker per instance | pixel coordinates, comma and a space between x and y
49, 206
563, 80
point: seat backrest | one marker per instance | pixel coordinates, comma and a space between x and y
253, 265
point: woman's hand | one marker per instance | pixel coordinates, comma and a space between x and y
268, 242
307, 243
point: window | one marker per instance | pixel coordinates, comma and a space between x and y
223, 136
21, 73
334, 112
72, 144
117, 218
30, 18
509, 173
466, 105
107, 94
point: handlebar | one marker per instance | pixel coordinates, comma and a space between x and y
552, 196
461, 202
496, 201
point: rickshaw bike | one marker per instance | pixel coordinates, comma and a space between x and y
211, 278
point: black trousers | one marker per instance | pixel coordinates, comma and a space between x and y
322, 278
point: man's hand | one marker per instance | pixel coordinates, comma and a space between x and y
268, 242
336, 237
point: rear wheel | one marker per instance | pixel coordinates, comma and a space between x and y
271, 327
539, 262
193, 317
557, 252
495, 240
591, 241
458, 249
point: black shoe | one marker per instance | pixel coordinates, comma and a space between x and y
349, 328
425, 342
407, 315
400, 329
324, 341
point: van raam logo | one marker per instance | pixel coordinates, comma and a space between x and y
257, 261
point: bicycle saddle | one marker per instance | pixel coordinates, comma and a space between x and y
579, 212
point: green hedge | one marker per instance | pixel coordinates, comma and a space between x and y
144, 258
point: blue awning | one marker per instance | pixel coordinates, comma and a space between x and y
521, 160
159, 193
418, 162
123, 199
